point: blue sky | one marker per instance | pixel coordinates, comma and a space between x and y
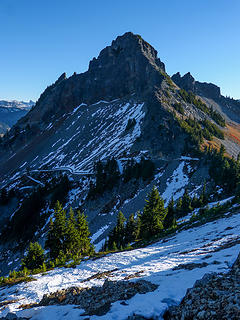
39, 40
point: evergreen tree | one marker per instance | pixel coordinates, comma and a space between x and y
71, 235
34, 258
120, 230
203, 196
179, 207
130, 230
83, 241
56, 239
170, 220
186, 202
195, 202
51, 241
114, 246
117, 235
138, 226
222, 151
153, 214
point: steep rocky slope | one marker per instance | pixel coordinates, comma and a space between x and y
212, 97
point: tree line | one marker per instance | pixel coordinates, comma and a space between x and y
68, 238
108, 175
155, 219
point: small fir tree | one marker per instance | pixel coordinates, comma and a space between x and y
130, 230
56, 238
34, 258
72, 246
153, 215
170, 220
83, 239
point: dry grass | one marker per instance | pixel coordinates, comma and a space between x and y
233, 132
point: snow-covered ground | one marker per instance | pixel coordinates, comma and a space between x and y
176, 184
215, 243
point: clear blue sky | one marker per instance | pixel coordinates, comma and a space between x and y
40, 39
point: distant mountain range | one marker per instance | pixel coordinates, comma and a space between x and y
11, 112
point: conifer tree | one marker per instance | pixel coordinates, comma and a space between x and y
138, 226
117, 235
130, 230
56, 239
114, 246
51, 241
195, 202
170, 220
222, 151
179, 207
84, 243
71, 235
60, 225
153, 214
203, 196
34, 258
186, 202
120, 230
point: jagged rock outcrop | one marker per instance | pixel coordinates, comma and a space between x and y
214, 297
188, 83
211, 94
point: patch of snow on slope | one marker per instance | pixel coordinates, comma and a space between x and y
221, 202
175, 187
156, 261
104, 136
96, 235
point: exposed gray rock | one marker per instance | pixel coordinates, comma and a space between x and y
190, 266
211, 94
98, 300
214, 297
12, 316
188, 83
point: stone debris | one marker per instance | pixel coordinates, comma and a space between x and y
97, 300
190, 266
13, 316
214, 297
100, 275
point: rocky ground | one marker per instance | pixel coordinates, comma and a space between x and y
214, 297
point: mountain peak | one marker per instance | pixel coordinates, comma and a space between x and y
127, 48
